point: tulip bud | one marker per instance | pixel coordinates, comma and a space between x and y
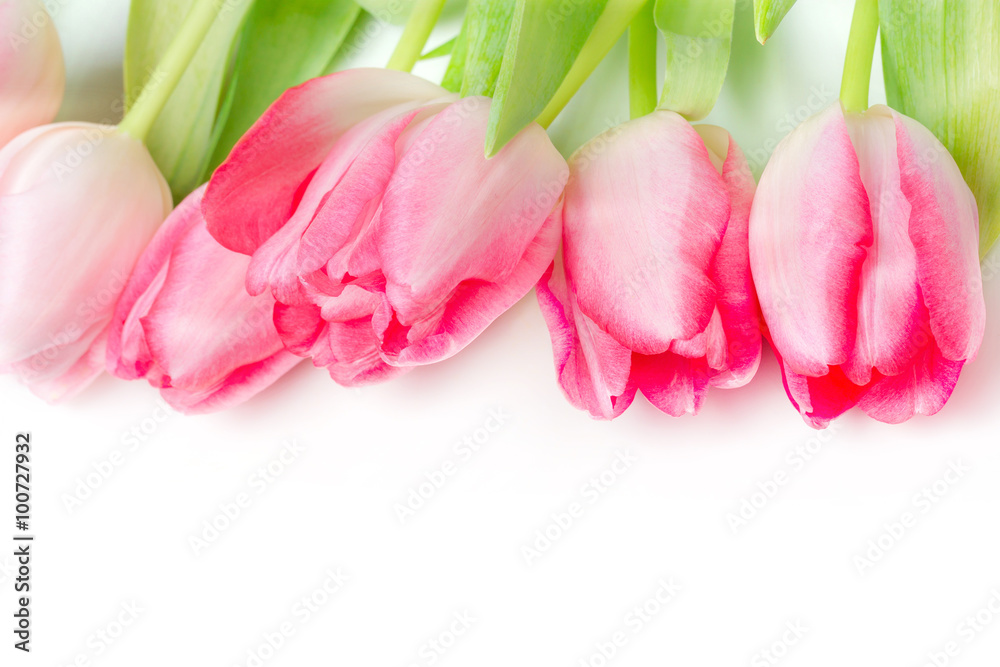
32, 73
654, 292
863, 247
186, 323
78, 203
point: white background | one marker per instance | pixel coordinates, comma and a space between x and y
364, 450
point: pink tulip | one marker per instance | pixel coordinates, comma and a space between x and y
32, 74
372, 215
187, 325
864, 249
78, 203
653, 293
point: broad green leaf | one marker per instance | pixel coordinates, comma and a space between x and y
545, 38
941, 60
615, 20
699, 35
180, 140
284, 43
767, 15
486, 30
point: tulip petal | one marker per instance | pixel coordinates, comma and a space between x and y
254, 192
922, 389
32, 71
889, 309
646, 211
128, 356
449, 215
820, 399
809, 230
204, 326
340, 198
944, 228
737, 307
472, 307
592, 367
676, 385
347, 349
238, 388
61, 372
71, 235
186, 324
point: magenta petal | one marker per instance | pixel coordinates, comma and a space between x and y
809, 230
347, 349
944, 228
472, 307
449, 215
820, 399
253, 192
245, 383
922, 389
187, 325
592, 367
340, 198
645, 214
128, 356
737, 304
674, 384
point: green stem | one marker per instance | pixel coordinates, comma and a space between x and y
140, 118
613, 22
642, 63
860, 51
418, 29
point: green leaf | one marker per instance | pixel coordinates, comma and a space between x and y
698, 35
545, 38
487, 29
180, 140
453, 76
440, 51
942, 67
767, 15
284, 44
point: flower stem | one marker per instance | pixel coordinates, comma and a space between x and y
858, 61
140, 118
642, 63
418, 29
610, 26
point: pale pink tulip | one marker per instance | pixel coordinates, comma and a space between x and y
864, 250
32, 73
372, 215
78, 203
653, 292
186, 323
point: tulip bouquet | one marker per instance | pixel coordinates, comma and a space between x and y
257, 205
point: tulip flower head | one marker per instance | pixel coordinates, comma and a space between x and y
373, 217
78, 203
653, 292
864, 250
32, 73
186, 323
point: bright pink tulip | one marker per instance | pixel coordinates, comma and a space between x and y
186, 323
386, 236
653, 293
32, 74
78, 203
864, 249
